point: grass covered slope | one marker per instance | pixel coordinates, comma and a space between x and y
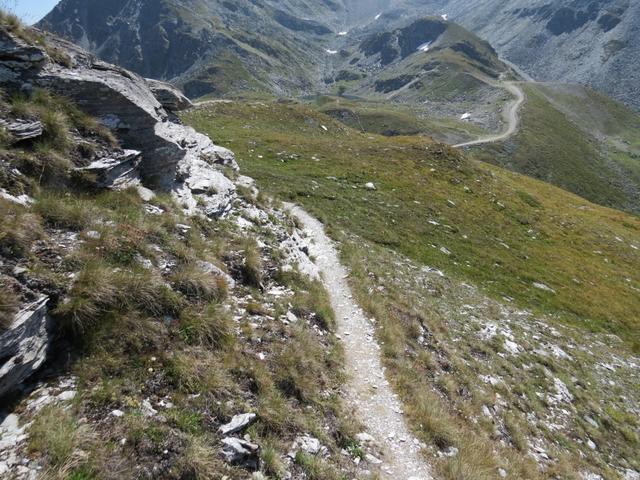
577, 139
392, 119
506, 378
167, 326
514, 236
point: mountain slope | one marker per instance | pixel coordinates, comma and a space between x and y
578, 139
205, 46
497, 297
591, 42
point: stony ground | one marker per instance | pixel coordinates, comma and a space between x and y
369, 392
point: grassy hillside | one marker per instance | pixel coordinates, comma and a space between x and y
579, 140
390, 119
508, 233
484, 372
167, 325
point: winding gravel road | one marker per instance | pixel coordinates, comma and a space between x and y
368, 392
510, 114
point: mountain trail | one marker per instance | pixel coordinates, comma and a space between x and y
368, 392
510, 113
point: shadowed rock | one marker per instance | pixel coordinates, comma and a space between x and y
118, 171
169, 96
24, 345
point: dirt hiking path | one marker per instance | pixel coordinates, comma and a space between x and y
511, 115
368, 392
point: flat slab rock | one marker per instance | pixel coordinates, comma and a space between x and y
120, 170
22, 129
24, 345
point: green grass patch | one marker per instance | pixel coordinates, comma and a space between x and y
503, 231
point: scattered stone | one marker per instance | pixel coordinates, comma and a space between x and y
145, 194
238, 423
117, 413
241, 452
542, 286
372, 460
67, 395
22, 129
147, 409
364, 438
451, 452
591, 422
307, 444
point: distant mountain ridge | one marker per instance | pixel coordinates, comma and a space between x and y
592, 42
281, 46
205, 46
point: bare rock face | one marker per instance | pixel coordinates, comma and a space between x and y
24, 346
19, 59
172, 157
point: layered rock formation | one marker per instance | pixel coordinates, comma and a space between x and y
24, 345
136, 110
159, 154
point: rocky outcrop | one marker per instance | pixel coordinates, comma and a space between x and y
169, 96
19, 59
118, 171
159, 154
24, 345
172, 157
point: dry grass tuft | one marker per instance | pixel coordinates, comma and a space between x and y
252, 268
18, 229
199, 286
9, 304
56, 435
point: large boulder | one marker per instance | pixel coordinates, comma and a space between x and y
24, 346
169, 96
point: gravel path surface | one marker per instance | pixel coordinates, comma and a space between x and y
369, 393
510, 114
